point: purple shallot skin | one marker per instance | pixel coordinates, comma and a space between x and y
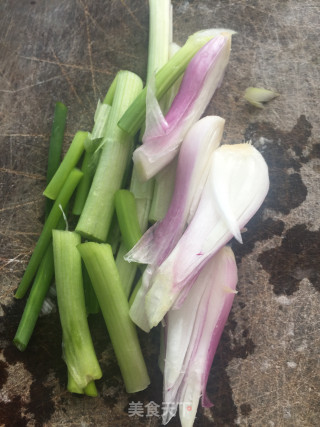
202, 77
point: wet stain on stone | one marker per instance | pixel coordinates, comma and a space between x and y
287, 191
257, 230
10, 413
297, 257
219, 389
245, 409
42, 355
3, 373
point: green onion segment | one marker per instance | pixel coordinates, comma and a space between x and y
104, 276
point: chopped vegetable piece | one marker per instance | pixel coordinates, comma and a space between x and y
87, 168
127, 217
78, 351
45, 237
133, 118
104, 276
91, 156
131, 232
108, 99
127, 270
92, 304
44, 274
69, 161
160, 33
193, 168
163, 192
101, 117
236, 187
163, 136
193, 333
34, 303
164, 180
55, 145
95, 219
89, 390
256, 96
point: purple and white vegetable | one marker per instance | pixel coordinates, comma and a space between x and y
192, 336
163, 136
236, 187
193, 168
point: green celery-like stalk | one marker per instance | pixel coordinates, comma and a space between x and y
164, 180
128, 221
72, 385
69, 161
127, 270
133, 118
114, 235
163, 191
87, 168
34, 303
95, 219
44, 274
127, 218
143, 193
55, 145
89, 390
92, 304
105, 279
92, 153
78, 350
37, 296
160, 35
108, 99
134, 292
45, 237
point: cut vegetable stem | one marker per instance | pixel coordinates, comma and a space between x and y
94, 222
133, 118
78, 351
34, 303
127, 218
163, 191
92, 155
55, 145
69, 161
45, 237
160, 35
104, 276
131, 232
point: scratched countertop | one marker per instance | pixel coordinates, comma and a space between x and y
266, 370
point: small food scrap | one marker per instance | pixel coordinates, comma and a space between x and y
256, 96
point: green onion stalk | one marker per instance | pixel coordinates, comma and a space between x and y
92, 145
55, 145
45, 236
134, 117
114, 305
78, 350
160, 35
68, 163
44, 274
95, 219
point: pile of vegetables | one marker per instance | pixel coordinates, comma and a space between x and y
196, 193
